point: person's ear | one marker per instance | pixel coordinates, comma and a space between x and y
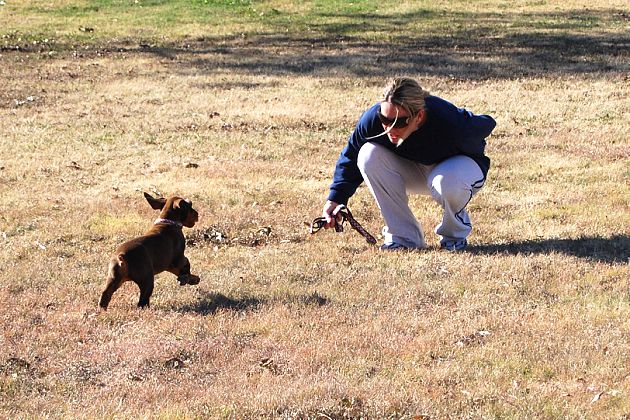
420, 117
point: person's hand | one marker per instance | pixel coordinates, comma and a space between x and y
330, 213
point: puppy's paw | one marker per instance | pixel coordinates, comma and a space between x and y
183, 279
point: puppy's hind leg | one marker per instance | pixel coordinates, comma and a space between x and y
114, 280
146, 289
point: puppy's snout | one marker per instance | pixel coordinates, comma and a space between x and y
191, 218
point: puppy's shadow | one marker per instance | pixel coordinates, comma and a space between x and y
209, 303
615, 249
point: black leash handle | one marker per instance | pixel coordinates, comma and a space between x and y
346, 214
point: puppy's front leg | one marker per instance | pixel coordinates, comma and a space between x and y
182, 271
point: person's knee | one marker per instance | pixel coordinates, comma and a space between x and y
368, 157
449, 189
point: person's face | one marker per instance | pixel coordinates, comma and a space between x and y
405, 124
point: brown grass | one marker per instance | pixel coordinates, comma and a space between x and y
531, 322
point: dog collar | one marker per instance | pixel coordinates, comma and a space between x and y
159, 220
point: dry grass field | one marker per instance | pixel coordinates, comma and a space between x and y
243, 107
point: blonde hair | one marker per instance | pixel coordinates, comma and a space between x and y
407, 93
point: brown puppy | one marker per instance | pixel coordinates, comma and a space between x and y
160, 249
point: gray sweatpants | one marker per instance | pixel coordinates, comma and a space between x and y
451, 183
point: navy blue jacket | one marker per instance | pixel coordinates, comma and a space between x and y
447, 131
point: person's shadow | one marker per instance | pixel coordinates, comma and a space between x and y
615, 249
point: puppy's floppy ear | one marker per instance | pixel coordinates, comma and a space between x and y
155, 203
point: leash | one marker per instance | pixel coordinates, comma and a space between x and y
346, 214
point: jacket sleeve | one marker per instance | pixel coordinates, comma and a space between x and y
473, 130
347, 177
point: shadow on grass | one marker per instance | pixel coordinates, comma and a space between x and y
462, 45
469, 56
210, 303
615, 249
467, 45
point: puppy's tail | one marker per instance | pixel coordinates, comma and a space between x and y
121, 267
